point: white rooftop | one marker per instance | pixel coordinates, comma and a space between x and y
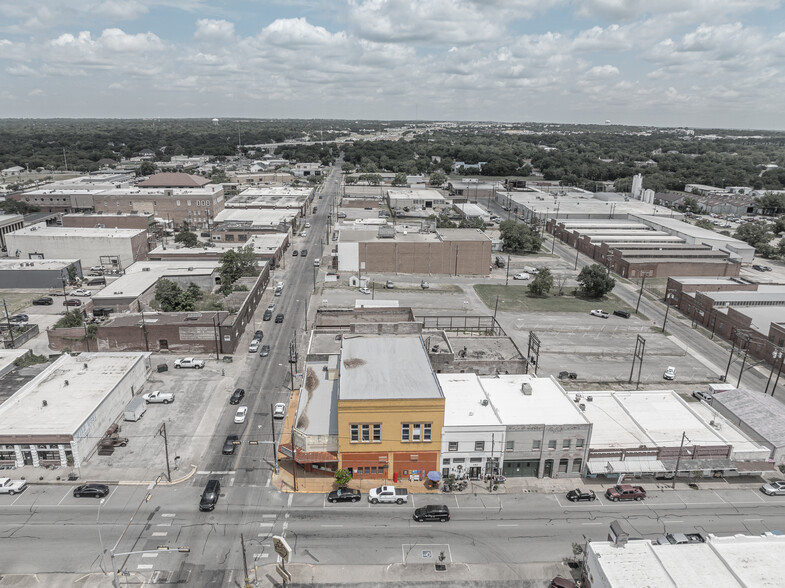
721, 562
395, 367
546, 405
142, 275
68, 405
463, 401
41, 230
35, 264
256, 217
317, 411
414, 194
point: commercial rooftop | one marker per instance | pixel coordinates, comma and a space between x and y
317, 411
41, 230
763, 316
760, 412
463, 401
270, 197
60, 399
35, 264
264, 245
174, 180
657, 418
142, 275
722, 562
413, 194
546, 405
395, 367
256, 217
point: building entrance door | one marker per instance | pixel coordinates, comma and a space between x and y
548, 470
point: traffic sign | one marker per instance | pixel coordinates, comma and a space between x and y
281, 547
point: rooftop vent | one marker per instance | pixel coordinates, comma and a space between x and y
44, 403
526, 388
145, 269
484, 402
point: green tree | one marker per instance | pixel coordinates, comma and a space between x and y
779, 225
519, 237
781, 247
350, 180
400, 179
194, 291
187, 238
437, 178
595, 281
236, 264
689, 204
772, 203
704, 224
542, 282
342, 477
372, 179
71, 274
172, 298
72, 318
17, 207
347, 167
755, 234
147, 168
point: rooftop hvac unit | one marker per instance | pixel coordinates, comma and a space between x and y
145, 269
484, 402
582, 406
526, 388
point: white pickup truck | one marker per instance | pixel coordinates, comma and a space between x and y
9, 486
388, 494
158, 396
189, 362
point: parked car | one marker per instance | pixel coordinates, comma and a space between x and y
317, 262
388, 494
279, 410
9, 486
81, 292
774, 488
254, 346
303, 252
365, 290
268, 314
599, 313
229, 444
424, 285
237, 396
91, 491
72, 302
258, 334
432, 512
239, 416
18, 318
559, 582
210, 495
295, 253
621, 313
579, 495
304, 234
265, 351
344, 495
97, 268
389, 284
564, 375
531, 270
43, 301
521, 276
761, 268
158, 396
680, 538
307, 225
279, 317
670, 373
625, 492
703, 395
189, 362
97, 282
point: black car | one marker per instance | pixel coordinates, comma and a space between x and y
303, 252
295, 253
229, 444
579, 495
265, 351
237, 396
210, 495
268, 314
43, 301
344, 495
621, 313
91, 491
279, 318
432, 512
258, 335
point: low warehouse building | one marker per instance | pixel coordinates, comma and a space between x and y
38, 273
59, 417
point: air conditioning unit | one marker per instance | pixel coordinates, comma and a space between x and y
145, 269
484, 402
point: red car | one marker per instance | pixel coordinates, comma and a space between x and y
72, 302
625, 492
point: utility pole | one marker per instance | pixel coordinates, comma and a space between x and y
215, 333
678, 459
275, 442
495, 308
162, 432
577, 251
667, 308
743, 361
730, 357
294, 465
10, 328
779, 371
640, 294
507, 280
245, 562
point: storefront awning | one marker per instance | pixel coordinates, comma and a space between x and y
306, 457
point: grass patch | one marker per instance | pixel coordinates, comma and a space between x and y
516, 298
435, 288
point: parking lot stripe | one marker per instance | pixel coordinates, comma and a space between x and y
169, 515
144, 567
269, 516
266, 524
164, 524
160, 534
289, 504
69, 492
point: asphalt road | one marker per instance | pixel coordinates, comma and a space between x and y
497, 528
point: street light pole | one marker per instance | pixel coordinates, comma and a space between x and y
743, 361
667, 308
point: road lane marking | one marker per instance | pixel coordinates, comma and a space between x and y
332, 525
169, 524
144, 567
269, 516
160, 534
285, 526
231, 481
266, 524
592, 524
289, 504
507, 525
168, 515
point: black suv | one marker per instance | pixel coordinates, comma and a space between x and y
43, 301
237, 396
622, 313
229, 444
303, 252
210, 495
432, 512
279, 318
268, 314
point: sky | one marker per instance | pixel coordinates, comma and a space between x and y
695, 63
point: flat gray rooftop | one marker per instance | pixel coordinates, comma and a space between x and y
317, 412
760, 412
386, 367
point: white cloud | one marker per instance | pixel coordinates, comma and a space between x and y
36, 92
121, 9
209, 30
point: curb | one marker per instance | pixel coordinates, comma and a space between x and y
161, 483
